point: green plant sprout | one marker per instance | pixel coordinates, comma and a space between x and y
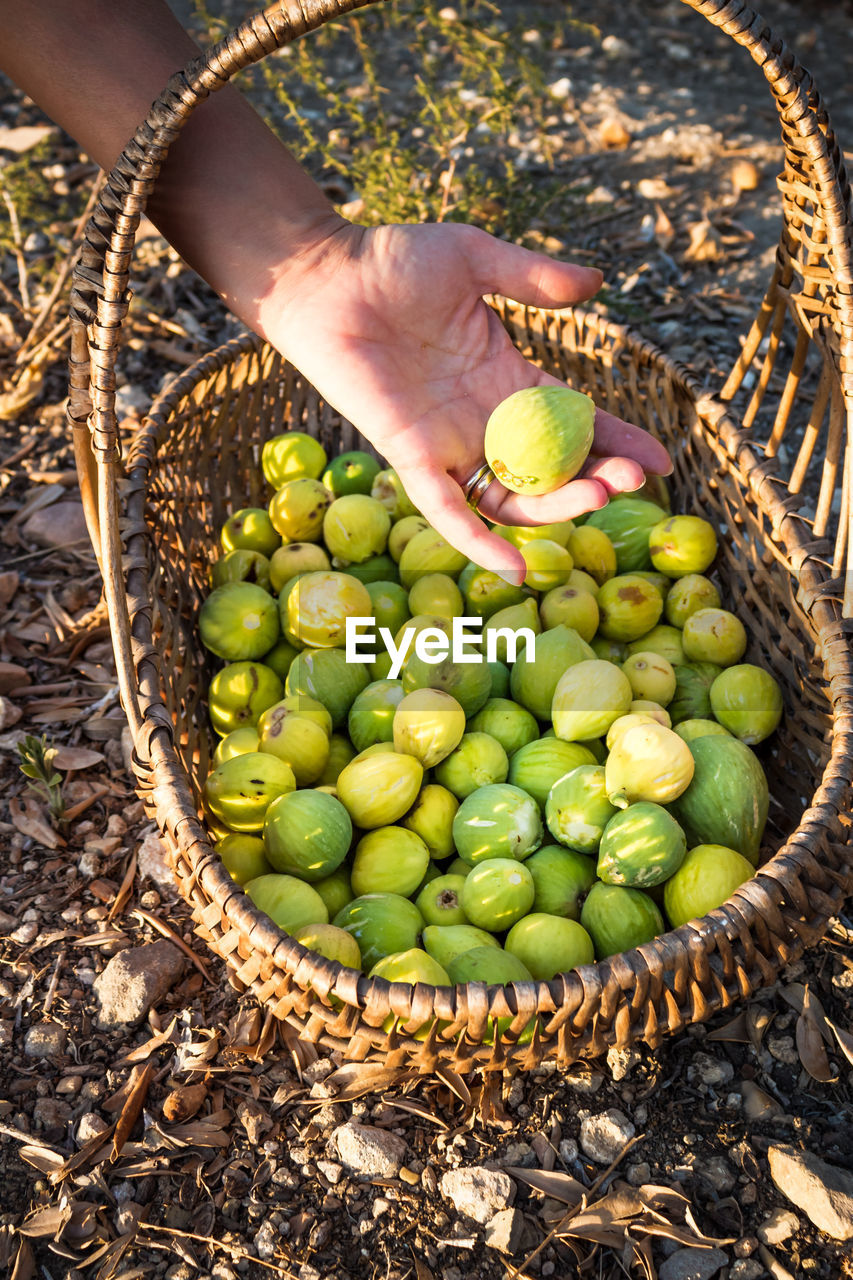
37, 757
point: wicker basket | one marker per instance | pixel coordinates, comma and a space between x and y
784, 563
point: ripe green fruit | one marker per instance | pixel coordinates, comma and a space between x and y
477, 761
642, 707
536, 767
438, 594
496, 893
628, 607
486, 593
747, 701
648, 762
578, 810
692, 697
689, 594
447, 942
334, 944
237, 743
302, 705
609, 650
627, 522
377, 789
239, 693
298, 740
411, 966
642, 846
588, 698
707, 877
241, 566
239, 621
547, 945
500, 679
533, 681
427, 724
295, 558
663, 640
429, 552
379, 568
619, 919
439, 901
519, 534
352, 472
539, 437
560, 878
468, 683
651, 677
728, 799
511, 725
689, 730
682, 544
389, 860
491, 965
382, 924
371, 716
297, 510
402, 533
289, 903
341, 751
320, 603
335, 890
280, 657
250, 529
307, 834
390, 604
548, 564
243, 857
714, 635
507, 627
290, 456
326, 675
593, 552
497, 821
356, 527
431, 817
239, 791
570, 607
387, 488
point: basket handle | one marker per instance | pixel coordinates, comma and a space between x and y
100, 295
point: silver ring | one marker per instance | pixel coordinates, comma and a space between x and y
476, 485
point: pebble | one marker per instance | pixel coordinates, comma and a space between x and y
602, 1137
568, 1150
90, 1125
692, 1264
369, 1151
778, 1227
57, 525
476, 1192
746, 1269
51, 1113
639, 1174
134, 980
503, 1231
331, 1171
45, 1040
622, 1061
25, 933
711, 1072
783, 1049
719, 1173
821, 1190
151, 862
757, 1104
266, 1240
520, 1154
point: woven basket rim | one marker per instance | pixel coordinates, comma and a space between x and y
760, 900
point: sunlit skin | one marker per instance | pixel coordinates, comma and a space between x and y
389, 322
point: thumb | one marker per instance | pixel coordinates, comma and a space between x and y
528, 277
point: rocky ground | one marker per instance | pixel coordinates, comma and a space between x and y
153, 1122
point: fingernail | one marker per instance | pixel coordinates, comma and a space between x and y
513, 579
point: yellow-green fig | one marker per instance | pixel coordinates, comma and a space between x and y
297, 510
377, 789
239, 693
291, 456
320, 603
747, 701
294, 558
714, 635
570, 607
687, 595
402, 533
589, 696
648, 762
250, 529
237, 743
431, 817
438, 594
328, 941
652, 678
429, 552
548, 564
428, 724
629, 606
240, 790
681, 545
356, 527
593, 552
539, 438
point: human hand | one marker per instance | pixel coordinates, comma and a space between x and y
390, 325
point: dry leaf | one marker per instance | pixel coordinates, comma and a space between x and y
76, 757
706, 244
415, 1109
50, 1221
845, 1041
13, 677
745, 175
355, 1079
810, 1044
798, 996
132, 1106
455, 1083
184, 1102
31, 820
9, 714
559, 1186
25, 1263
613, 134
758, 1019
735, 1031
9, 583
42, 1158
27, 388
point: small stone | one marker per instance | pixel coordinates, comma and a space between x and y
369, 1151
692, 1264
57, 525
568, 1150
622, 1061
45, 1040
746, 1269
613, 134
615, 47
783, 1049
717, 1171
745, 175
51, 1113
24, 137
266, 1241
151, 862
821, 1190
69, 1085
639, 1174
332, 1171
476, 1192
89, 864
90, 1125
745, 1247
520, 1154
778, 1227
711, 1072
757, 1104
135, 980
25, 933
603, 1136
560, 89
503, 1231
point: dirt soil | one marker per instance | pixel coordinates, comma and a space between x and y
199, 1143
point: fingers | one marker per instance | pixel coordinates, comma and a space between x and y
617, 438
525, 276
443, 504
573, 499
618, 475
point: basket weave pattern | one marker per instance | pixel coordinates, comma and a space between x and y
782, 563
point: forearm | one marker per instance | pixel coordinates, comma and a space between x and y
230, 197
